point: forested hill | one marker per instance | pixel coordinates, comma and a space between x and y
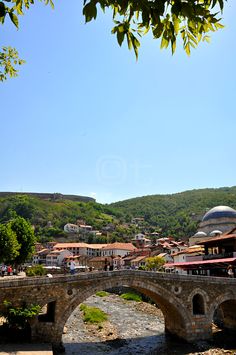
178, 213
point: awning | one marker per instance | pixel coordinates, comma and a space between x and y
201, 262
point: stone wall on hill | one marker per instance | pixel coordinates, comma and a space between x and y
51, 196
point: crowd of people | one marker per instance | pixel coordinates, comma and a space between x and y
7, 270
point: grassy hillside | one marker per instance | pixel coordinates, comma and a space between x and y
177, 214
40, 211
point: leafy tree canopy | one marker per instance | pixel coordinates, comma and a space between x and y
9, 246
191, 20
155, 263
25, 237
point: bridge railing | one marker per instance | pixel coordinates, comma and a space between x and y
129, 274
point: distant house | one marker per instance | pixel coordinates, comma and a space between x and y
115, 249
40, 256
167, 257
71, 228
127, 260
84, 249
141, 241
137, 262
85, 228
100, 262
56, 257
118, 262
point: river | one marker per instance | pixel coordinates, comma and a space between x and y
133, 328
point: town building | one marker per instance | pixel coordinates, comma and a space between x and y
115, 249
214, 256
71, 228
140, 241
56, 257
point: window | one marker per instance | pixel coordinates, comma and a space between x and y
198, 304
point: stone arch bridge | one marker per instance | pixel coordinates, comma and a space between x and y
188, 303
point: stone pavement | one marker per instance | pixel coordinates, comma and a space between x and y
26, 349
20, 275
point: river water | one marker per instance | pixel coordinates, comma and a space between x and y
133, 328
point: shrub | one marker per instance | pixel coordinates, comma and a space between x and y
36, 270
131, 297
102, 293
93, 314
17, 317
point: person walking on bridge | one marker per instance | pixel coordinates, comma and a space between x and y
230, 271
72, 267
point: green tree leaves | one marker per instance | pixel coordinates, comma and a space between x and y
168, 20
9, 246
154, 263
9, 59
190, 20
17, 241
25, 238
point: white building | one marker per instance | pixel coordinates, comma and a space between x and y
56, 257
115, 249
85, 249
71, 228
81, 248
40, 256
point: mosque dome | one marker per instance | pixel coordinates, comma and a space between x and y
215, 232
219, 212
200, 234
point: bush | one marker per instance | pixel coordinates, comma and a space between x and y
131, 297
17, 317
102, 293
93, 314
36, 270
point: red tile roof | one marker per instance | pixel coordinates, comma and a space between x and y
201, 262
121, 246
215, 239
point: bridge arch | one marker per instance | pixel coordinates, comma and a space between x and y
177, 320
223, 311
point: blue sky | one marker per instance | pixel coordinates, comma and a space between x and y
85, 118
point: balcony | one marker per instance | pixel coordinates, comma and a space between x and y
218, 256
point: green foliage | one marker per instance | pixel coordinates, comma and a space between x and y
93, 314
102, 293
17, 317
178, 214
36, 270
39, 212
131, 297
190, 20
9, 246
174, 215
155, 263
9, 59
25, 237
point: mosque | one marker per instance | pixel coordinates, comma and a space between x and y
218, 220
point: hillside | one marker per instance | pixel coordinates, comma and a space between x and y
50, 215
177, 214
